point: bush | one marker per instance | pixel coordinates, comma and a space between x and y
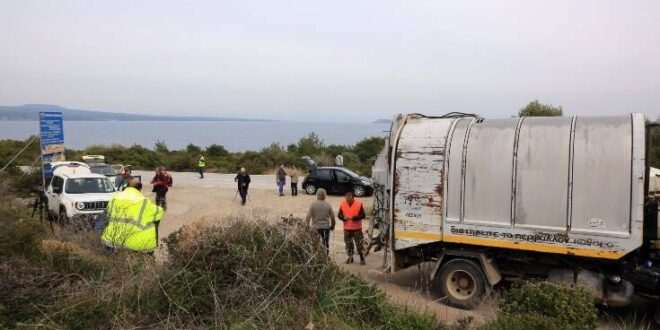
258, 275
25, 287
544, 305
247, 265
245, 275
19, 236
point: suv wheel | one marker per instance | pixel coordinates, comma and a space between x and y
462, 283
310, 189
359, 191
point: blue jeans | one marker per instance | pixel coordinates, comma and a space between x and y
280, 187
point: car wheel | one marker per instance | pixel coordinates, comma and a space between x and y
462, 283
359, 191
310, 189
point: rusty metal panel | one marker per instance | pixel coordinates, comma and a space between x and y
455, 169
542, 168
602, 176
488, 172
418, 181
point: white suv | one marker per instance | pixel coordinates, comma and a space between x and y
75, 191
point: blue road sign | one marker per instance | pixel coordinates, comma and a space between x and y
51, 132
51, 128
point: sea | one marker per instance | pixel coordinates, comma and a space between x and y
233, 135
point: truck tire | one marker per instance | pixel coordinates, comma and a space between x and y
462, 283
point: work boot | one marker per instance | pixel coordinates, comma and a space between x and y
362, 262
349, 260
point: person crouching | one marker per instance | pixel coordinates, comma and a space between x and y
132, 220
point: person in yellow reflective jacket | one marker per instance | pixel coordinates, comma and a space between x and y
132, 220
201, 164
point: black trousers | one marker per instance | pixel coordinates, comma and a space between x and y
201, 172
324, 234
161, 199
294, 188
243, 191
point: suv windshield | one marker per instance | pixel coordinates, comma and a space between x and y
88, 186
102, 169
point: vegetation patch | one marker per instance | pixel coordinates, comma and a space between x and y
358, 157
544, 305
244, 275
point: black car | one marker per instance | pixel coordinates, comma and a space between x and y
337, 180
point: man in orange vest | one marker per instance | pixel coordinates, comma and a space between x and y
351, 213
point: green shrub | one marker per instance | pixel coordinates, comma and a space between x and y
544, 305
20, 236
525, 322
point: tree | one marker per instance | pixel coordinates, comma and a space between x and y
216, 150
367, 149
310, 145
161, 147
193, 149
538, 109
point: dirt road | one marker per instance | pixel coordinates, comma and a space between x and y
214, 199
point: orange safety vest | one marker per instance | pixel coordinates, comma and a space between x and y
351, 211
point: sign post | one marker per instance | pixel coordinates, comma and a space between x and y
51, 132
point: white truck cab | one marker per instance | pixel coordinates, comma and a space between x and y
74, 191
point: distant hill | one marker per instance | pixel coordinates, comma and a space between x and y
31, 112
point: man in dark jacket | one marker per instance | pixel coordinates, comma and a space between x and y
280, 179
161, 183
243, 181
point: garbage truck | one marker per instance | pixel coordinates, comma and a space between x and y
484, 201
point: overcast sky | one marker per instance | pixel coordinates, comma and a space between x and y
331, 60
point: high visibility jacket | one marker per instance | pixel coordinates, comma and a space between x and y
131, 221
353, 212
201, 162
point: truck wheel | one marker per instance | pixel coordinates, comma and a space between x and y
359, 191
310, 189
462, 283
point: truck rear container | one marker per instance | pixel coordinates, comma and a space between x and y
561, 198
